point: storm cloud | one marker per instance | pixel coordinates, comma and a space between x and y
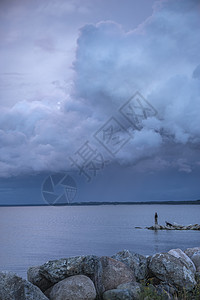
160, 59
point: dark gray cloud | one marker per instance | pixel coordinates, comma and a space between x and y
161, 59
62, 106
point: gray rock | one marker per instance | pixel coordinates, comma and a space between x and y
194, 254
171, 269
174, 226
105, 272
117, 294
13, 287
56, 270
133, 287
77, 287
156, 227
190, 251
113, 273
136, 262
196, 260
180, 254
37, 279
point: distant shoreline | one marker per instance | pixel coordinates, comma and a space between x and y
187, 202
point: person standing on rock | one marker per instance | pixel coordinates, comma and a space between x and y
156, 218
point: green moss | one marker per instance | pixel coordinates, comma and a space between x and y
149, 292
193, 295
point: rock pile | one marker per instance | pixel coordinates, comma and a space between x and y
13, 287
174, 226
124, 276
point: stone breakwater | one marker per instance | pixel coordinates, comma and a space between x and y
125, 275
174, 226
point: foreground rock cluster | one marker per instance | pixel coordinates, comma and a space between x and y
125, 276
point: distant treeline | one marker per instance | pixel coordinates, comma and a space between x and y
113, 203
132, 203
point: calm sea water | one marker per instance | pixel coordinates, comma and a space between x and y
33, 235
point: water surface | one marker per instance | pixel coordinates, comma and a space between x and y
33, 235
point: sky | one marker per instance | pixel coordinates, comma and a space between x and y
105, 92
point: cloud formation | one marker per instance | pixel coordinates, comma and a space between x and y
160, 59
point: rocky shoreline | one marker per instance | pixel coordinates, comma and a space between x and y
125, 275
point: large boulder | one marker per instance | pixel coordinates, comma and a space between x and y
112, 273
79, 287
173, 270
182, 256
196, 260
136, 262
194, 254
13, 287
106, 273
56, 270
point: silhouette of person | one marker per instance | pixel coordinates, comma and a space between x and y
156, 218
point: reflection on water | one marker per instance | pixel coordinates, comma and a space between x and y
156, 241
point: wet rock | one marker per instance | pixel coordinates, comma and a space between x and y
173, 270
77, 287
13, 287
136, 262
